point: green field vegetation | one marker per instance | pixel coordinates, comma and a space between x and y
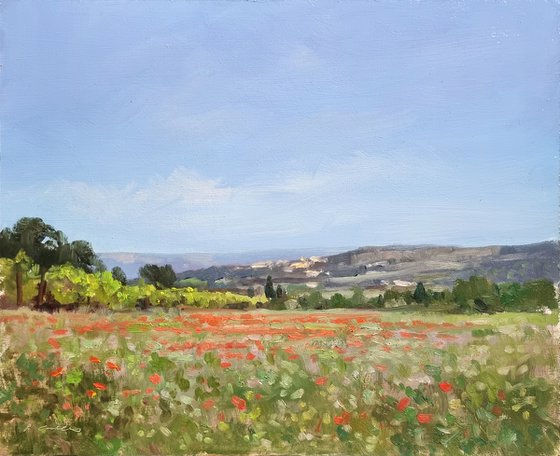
263, 382
476, 295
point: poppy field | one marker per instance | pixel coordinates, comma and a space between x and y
262, 382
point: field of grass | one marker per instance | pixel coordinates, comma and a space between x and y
330, 382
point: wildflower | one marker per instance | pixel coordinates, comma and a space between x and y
66, 406
251, 356
113, 366
91, 393
155, 379
496, 410
57, 372
239, 403
321, 381
342, 419
501, 395
446, 387
94, 360
208, 404
127, 393
53, 343
403, 403
100, 386
424, 418
225, 364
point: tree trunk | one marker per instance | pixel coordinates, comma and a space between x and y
42, 286
19, 288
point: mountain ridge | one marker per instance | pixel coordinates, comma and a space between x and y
364, 266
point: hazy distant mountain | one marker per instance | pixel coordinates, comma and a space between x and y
365, 266
131, 262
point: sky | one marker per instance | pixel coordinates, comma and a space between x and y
234, 126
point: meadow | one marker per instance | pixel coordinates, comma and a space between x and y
264, 382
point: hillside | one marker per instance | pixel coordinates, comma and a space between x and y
366, 266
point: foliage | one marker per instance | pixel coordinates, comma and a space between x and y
279, 291
46, 247
337, 383
420, 294
119, 275
8, 270
159, 276
192, 282
269, 289
476, 294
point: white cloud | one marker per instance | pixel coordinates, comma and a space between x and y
362, 197
186, 202
181, 191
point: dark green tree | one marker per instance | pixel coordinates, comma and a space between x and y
279, 291
338, 301
119, 274
159, 276
251, 292
420, 294
269, 289
44, 245
477, 293
538, 293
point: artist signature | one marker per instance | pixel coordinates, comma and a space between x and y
60, 428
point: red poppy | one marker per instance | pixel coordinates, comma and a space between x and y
57, 372
100, 386
342, 419
66, 406
53, 343
60, 332
424, 418
94, 359
127, 393
446, 387
113, 366
208, 404
497, 410
403, 403
321, 381
501, 395
251, 356
225, 364
258, 396
90, 393
149, 390
239, 403
155, 379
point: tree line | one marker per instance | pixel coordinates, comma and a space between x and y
477, 294
39, 264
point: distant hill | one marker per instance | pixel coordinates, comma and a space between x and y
381, 266
365, 266
130, 262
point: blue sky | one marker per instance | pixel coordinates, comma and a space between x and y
232, 126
